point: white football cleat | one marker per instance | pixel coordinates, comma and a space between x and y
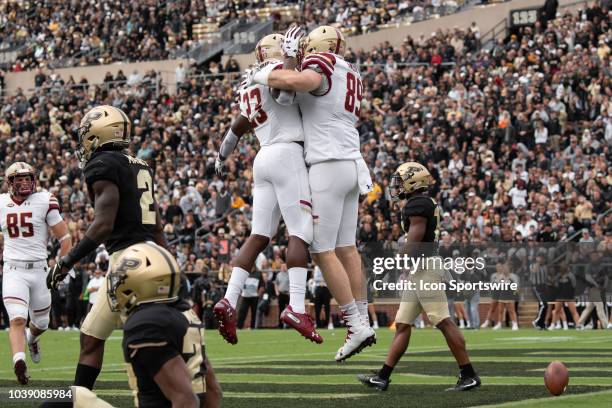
498, 326
375, 325
34, 347
485, 324
357, 338
515, 326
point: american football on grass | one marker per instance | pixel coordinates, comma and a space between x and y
556, 378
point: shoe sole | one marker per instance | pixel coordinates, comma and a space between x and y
289, 322
21, 371
221, 317
366, 343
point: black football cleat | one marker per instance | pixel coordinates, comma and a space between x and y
466, 384
21, 371
374, 381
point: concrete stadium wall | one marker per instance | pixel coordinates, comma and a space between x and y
95, 73
486, 17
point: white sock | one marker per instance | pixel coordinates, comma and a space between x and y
18, 356
297, 289
235, 285
362, 306
351, 314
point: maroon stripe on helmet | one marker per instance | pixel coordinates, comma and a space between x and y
338, 40
321, 57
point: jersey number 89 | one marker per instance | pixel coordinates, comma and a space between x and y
354, 94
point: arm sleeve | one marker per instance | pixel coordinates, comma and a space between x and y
420, 206
102, 168
152, 357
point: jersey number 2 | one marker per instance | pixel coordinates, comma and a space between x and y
146, 199
14, 221
354, 94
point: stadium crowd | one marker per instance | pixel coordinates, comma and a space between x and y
75, 32
517, 136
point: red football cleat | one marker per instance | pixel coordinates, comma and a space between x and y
303, 323
226, 316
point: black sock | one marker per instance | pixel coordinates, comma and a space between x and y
385, 372
467, 371
86, 376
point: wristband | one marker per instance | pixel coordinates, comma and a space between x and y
83, 248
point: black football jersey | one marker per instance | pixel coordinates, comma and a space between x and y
423, 206
152, 335
135, 221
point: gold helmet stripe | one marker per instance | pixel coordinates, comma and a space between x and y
173, 271
125, 122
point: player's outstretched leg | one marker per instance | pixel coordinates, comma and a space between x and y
380, 379
225, 309
359, 335
295, 314
468, 379
90, 361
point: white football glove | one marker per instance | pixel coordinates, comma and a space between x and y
247, 79
260, 73
291, 43
219, 166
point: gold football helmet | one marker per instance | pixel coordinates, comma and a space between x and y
100, 126
325, 39
20, 188
269, 47
144, 273
408, 178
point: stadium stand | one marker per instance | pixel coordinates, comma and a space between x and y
518, 137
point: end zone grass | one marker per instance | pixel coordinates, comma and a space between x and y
277, 368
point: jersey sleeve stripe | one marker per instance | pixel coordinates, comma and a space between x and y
329, 56
53, 206
318, 59
324, 67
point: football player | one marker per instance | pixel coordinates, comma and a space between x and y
420, 220
26, 217
162, 336
125, 212
281, 189
329, 96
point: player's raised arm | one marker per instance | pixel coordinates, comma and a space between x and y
289, 80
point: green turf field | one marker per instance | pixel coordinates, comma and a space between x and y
274, 368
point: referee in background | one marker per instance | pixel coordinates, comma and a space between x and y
537, 277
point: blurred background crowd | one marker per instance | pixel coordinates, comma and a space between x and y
517, 135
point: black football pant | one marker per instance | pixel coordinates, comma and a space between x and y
247, 303
540, 320
322, 301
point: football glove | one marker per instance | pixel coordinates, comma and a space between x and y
247, 79
219, 166
56, 275
291, 43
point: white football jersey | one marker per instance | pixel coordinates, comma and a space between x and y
25, 226
330, 112
271, 121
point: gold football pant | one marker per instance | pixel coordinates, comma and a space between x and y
433, 302
101, 320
